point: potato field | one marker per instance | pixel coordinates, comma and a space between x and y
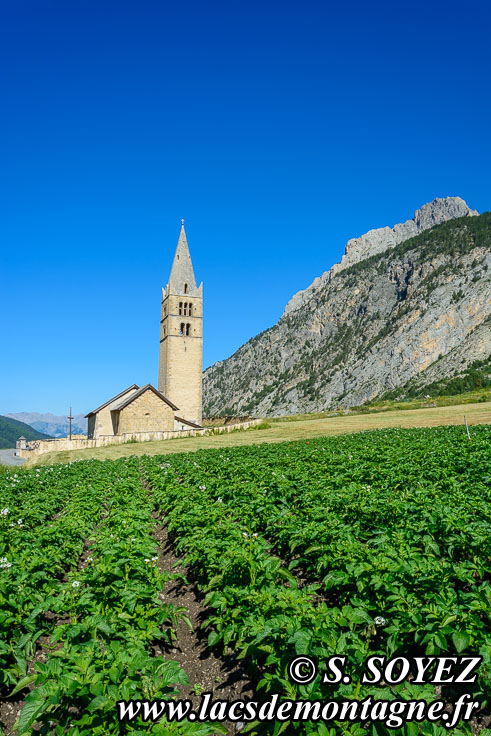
375, 543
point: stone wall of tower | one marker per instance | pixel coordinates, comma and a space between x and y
181, 361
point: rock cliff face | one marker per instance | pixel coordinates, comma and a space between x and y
392, 310
383, 238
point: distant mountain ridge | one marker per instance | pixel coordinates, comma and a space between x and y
55, 426
389, 313
11, 430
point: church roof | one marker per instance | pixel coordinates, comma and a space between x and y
182, 272
103, 406
187, 421
141, 391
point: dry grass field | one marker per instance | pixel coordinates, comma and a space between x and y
285, 431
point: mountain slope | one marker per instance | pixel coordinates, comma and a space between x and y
11, 430
55, 426
383, 238
368, 328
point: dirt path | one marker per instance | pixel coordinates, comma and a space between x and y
207, 672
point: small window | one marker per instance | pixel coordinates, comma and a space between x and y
190, 306
188, 329
181, 331
185, 288
180, 307
185, 309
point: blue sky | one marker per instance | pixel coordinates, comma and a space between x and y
278, 130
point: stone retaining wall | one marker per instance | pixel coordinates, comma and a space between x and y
41, 447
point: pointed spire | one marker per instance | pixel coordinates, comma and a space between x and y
181, 279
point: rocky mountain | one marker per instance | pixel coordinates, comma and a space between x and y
55, 426
11, 430
383, 238
407, 302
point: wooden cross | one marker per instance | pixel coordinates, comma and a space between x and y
70, 417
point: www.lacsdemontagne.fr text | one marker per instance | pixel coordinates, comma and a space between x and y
392, 713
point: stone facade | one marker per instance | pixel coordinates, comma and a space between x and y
133, 410
146, 413
100, 421
181, 336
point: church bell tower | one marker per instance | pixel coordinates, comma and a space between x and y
181, 336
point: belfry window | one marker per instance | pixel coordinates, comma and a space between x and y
181, 331
185, 309
188, 329
180, 307
185, 288
190, 306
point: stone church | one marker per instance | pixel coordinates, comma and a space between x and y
176, 404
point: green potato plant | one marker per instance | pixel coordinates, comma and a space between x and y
376, 543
